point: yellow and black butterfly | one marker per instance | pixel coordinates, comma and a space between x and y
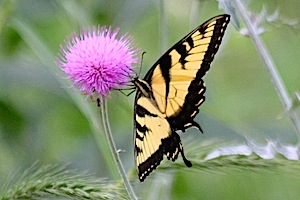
168, 98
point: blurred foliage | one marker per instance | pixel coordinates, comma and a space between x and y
39, 120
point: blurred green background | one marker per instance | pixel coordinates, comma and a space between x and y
40, 122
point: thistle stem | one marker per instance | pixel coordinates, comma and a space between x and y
113, 149
271, 68
163, 42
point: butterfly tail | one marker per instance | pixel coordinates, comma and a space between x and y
172, 146
185, 160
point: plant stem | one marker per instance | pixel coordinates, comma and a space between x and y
113, 149
163, 42
275, 77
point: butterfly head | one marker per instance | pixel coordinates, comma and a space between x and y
142, 86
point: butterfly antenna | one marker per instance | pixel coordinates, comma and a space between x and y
141, 65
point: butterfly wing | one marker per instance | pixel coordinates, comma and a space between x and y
168, 97
176, 78
153, 138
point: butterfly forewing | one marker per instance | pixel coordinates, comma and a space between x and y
186, 62
176, 91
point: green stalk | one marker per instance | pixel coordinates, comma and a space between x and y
113, 149
163, 34
271, 67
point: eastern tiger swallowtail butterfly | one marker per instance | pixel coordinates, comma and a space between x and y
169, 96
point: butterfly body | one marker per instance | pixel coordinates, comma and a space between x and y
169, 96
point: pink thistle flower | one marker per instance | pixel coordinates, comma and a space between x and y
98, 61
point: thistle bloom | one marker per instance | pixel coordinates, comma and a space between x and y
98, 61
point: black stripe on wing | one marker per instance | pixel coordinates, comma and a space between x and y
170, 146
195, 97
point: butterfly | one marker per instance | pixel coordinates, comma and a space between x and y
168, 98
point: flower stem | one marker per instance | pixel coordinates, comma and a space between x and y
275, 76
163, 42
113, 149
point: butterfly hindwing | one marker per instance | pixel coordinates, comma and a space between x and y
169, 96
153, 138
